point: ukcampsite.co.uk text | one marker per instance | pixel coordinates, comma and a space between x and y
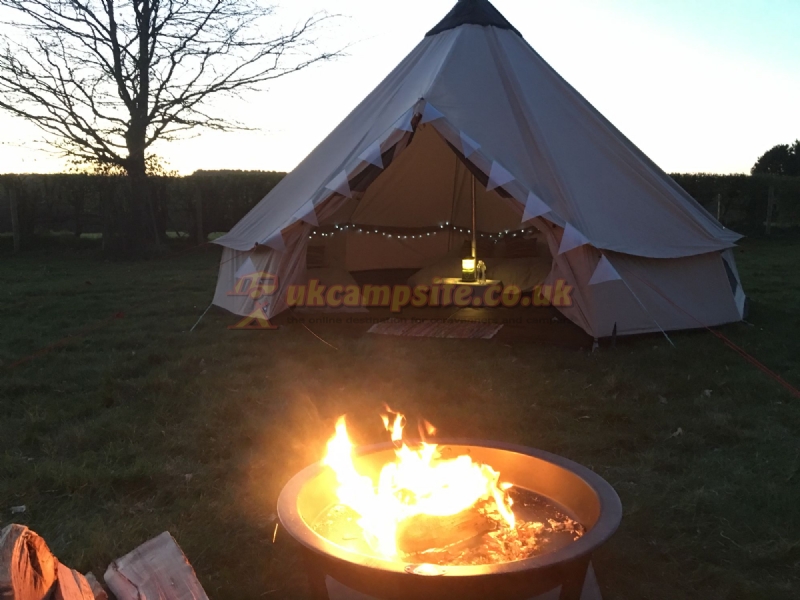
397, 297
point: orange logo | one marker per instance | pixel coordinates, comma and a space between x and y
255, 286
255, 320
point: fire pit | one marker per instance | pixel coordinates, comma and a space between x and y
487, 520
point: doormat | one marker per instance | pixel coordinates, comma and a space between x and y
437, 329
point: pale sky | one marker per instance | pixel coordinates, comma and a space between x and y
698, 85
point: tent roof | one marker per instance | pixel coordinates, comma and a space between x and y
473, 12
492, 88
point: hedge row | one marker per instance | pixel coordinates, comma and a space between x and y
85, 203
741, 201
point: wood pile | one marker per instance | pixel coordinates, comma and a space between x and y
156, 570
71, 585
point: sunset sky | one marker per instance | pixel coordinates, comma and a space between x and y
698, 85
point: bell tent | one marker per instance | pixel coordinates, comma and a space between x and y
393, 187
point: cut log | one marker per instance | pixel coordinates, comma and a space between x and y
424, 532
27, 567
97, 588
71, 585
156, 570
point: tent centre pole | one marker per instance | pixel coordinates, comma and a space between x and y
474, 223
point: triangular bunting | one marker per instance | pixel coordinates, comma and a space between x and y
341, 185
468, 145
307, 214
404, 122
275, 241
498, 177
248, 268
534, 207
430, 113
372, 155
572, 239
604, 272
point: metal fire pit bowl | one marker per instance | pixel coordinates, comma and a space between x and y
578, 492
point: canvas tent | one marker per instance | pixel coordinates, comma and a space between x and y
473, 99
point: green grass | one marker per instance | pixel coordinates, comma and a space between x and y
139, 426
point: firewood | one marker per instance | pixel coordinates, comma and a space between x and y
71, 585
97, 589
156, 570
425, 532
27, 567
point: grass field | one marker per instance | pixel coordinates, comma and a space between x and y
139, 426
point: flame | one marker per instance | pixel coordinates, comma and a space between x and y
426, 430
418, 482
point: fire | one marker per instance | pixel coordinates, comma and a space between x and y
418, 482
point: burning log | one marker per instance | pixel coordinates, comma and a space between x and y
27, 567
421, 533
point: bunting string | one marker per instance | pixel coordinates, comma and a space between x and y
406, 233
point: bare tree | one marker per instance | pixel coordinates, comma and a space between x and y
105, 79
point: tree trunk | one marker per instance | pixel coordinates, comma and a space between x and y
143, 242
142, 238
136, 233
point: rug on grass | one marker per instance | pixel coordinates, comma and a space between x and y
437, 329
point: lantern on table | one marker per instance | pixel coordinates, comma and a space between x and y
468, 269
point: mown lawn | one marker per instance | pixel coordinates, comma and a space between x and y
140, 426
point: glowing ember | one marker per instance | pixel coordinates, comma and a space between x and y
418, 482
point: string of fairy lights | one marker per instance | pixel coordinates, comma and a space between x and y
392, 234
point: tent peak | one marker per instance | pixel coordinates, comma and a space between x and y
473, 12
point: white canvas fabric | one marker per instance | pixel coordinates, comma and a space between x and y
482, 92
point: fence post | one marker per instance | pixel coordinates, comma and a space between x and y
198, 217
770, 208
15, 227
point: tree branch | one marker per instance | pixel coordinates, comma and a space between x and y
106, 79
